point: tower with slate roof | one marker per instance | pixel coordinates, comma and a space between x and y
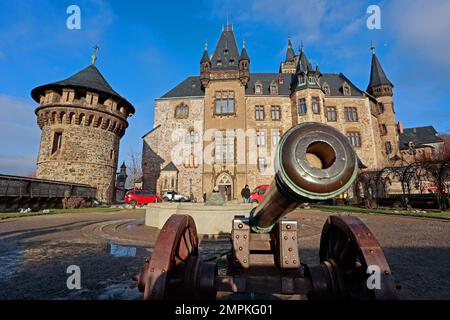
382, 89
82, 120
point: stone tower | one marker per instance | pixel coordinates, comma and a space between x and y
82, 120
381, 88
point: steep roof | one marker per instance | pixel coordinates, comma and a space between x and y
266, 79
226, 51
89, 78
303, 64
170, 167
335, 81
191, 86
290, 54
205, 56
419, 136
377, 75
244, 55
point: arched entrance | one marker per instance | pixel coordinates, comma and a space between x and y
225, 183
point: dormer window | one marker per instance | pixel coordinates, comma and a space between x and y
258, 88
346, 89
231, 61
225, 52
273, 88
301, 80
326, 88
311, 80
219, 63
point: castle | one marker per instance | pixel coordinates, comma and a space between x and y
82, 120
220, 128
217, 129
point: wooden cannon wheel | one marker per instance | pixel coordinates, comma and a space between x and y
175, 270
347, 249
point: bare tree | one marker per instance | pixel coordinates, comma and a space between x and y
134, 169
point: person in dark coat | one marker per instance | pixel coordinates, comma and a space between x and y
245, 193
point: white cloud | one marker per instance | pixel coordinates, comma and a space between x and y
19, 134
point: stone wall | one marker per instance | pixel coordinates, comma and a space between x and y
89, 148
167, 143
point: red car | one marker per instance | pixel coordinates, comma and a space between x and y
259, 193
139, 197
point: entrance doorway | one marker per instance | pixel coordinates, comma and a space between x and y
225, 184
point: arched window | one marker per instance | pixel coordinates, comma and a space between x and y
181, 111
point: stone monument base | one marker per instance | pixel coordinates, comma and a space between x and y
210, 220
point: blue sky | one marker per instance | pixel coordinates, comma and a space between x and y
148, 47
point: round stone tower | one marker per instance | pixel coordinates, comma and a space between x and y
82, 120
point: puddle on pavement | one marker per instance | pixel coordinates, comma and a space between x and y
122, 251
117, 250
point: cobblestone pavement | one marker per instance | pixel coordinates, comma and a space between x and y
110, 247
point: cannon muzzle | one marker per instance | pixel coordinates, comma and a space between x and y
313, 161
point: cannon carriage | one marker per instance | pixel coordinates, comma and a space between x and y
313, 162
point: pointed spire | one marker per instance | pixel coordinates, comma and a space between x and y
377, 75
123, 165
244, 54
290, 54
303, 65
205, 56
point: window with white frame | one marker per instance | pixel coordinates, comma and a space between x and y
315, 105
302, 106
262, 164
259, 113
224, 145
276, 112
224, 102
276, 136
260, 138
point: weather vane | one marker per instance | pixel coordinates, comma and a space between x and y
94, 55
372, 47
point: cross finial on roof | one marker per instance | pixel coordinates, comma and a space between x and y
372, 47
243, 44
206, 45
94, 55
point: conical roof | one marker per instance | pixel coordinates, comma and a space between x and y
290, 54
303, 64
244, 55
377, 75
205, 56
226, 52
89, 78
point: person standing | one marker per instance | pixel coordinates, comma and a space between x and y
245, 193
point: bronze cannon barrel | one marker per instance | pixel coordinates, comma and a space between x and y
313, 161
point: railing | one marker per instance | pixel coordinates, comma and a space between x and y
16, 186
